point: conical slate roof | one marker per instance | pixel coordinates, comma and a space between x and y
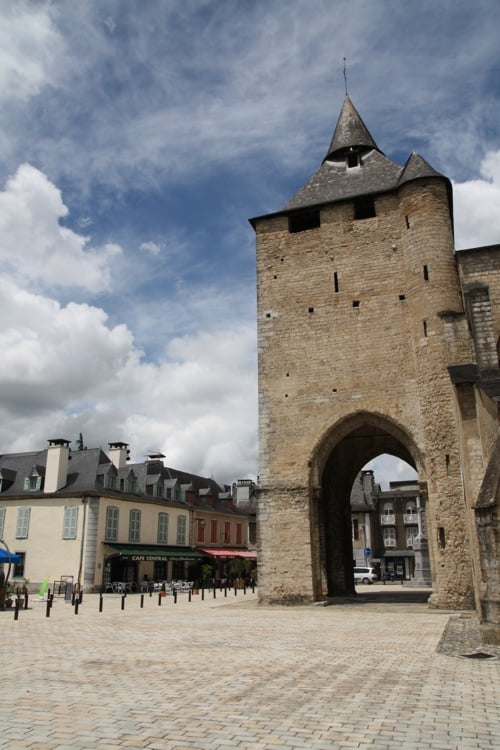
372, 172
416, 167
350, 132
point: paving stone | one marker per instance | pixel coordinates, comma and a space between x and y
229, 673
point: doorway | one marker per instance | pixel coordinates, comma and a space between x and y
341, 455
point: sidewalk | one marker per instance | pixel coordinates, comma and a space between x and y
227, 673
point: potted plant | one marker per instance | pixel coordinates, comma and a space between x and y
206, 574
238, 569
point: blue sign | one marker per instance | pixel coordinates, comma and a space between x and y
368, 551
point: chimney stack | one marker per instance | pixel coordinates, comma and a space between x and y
119, 454
56, 469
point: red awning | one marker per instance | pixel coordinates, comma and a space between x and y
247, 554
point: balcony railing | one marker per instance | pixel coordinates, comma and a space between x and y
388, 519
410, 518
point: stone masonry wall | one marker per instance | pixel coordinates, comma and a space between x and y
349, 321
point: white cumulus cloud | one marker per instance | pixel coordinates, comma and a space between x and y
29, 48
36, 248
54, 356
477, 206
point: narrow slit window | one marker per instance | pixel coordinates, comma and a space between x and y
447, 459
426, 273
441, 538
424, 325
336, 281
407, 220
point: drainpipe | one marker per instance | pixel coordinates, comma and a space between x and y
82, 544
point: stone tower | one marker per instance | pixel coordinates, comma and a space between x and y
360, 317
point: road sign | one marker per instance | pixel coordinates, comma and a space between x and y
368, 551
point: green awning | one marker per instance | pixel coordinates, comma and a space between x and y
152, 552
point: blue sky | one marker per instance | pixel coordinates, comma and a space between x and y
136, 140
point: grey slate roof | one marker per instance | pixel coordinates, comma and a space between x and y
335, 181
86, 475
82, 470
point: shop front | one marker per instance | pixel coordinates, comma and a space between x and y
397, 565
134, 563
230, 562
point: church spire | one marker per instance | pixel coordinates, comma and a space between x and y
350, 132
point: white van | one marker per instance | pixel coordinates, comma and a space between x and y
365, 575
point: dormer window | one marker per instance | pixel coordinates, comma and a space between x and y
7, 478
33, 483
110, 481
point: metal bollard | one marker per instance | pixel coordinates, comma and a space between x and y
100, 602
215, 592
16, 609
77, 602
189, 595
202, 594
123, 601
175, 596
26, 600
159, 599
142, 601
47, 609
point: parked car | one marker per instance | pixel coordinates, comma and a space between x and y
365, 575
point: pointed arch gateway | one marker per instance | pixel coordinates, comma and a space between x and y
339, 456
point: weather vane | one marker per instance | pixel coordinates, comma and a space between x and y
345, 76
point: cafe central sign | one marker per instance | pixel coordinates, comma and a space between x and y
150, 553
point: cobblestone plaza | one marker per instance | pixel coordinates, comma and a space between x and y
379, 673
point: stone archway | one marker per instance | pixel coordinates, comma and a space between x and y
339, 457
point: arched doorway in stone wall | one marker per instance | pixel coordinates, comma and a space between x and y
340, 455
